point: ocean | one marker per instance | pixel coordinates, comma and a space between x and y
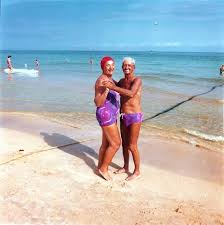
182, 91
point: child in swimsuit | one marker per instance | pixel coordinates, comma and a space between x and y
9, 63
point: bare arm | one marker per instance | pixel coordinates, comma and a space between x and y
130, 93
100, 94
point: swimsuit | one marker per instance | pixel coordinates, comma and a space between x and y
9, 64
130, 118
108, 112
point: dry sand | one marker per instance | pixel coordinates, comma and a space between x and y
48, 177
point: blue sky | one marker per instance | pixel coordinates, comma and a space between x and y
160, 25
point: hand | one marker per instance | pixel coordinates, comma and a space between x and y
107, 91
108, 84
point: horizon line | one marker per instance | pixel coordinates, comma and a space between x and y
81, 50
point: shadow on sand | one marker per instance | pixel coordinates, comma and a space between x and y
73, 147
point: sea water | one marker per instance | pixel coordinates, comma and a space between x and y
182, 92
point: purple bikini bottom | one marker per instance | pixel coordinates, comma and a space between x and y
106, 115
130, 118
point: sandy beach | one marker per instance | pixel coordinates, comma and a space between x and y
54, 59
48, 177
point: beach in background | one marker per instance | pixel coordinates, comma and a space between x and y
50, 141
182, 92
49, 135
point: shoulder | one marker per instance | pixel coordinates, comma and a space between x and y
137, 80
101, 78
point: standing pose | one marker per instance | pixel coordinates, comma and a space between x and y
130, 89
107, 102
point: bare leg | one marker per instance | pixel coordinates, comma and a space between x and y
133, 140
102, 150
125, 141
113, 137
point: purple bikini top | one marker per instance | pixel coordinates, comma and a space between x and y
112, 100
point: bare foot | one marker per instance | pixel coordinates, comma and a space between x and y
134, 176
121, 170
105, 175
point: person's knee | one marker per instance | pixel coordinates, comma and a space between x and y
125, 146
116, 144
132, 147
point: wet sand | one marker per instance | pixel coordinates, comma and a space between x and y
48, 177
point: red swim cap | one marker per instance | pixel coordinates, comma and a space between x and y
104, 60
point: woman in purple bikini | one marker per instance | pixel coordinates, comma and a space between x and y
107, 102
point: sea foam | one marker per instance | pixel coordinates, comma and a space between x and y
205, 136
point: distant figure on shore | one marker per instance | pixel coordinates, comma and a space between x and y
107, 103
130, 89
9, 62
221, 70
37, 64
91, 61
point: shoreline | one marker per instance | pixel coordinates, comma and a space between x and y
81, 119
55, 178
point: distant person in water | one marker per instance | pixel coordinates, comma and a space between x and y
91, 61
107, 103
130, 89
37, 64
221, 70
9, 62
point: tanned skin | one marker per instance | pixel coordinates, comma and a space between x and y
130, 89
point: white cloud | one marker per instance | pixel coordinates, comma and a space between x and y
168, 44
